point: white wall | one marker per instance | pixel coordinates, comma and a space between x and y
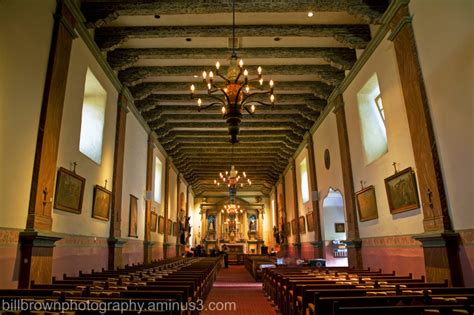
84, 224
304, 208
444, 34
159, 207
383, 62
134, 174
290, 205
172, 202
25, 38
324, 138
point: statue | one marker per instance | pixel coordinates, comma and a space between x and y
276, 234
211, 223
252, 223
187, 229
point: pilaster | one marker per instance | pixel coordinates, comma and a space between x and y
36, 242
353, 240
440, 244
313, 182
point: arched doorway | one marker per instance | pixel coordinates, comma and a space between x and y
334, 229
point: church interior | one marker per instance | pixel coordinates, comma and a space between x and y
230, 156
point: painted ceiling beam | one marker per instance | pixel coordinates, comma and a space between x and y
144, 90
339, 58
100, 13
325, 73
355, 36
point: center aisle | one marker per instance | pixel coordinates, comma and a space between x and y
236, 292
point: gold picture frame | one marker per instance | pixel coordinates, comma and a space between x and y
133, 218
154, 222
339, 227
310, 221
294, 226
402, 193
69, 191
367, 204
101, 203
169, 228
301, 225
161, 224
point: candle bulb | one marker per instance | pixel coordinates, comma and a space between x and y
252, 109
204, 75
199, 102
218, 65
272, 99
259, 70
246, 73
211, 76
260, 81
241, 63
223, 109
209, 86
247, 89
192, 90
271, 83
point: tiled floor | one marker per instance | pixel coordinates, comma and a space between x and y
236, 292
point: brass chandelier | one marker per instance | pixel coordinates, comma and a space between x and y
233, 179
235, 95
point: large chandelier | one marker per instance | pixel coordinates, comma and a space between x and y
236, 93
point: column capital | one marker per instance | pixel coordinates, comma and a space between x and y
32, 238
437, 239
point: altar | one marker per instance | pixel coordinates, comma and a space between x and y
235, 252
239, 226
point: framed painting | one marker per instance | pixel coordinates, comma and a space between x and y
301, 224
175, 229
288, 228
133, 218
161, 224
101, 203
367, 204
169, 227
294, 226
339, 227
69, 191
402, 193
154, 222
310, 221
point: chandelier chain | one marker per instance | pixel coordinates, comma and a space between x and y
233, 28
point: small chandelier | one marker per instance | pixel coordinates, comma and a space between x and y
235, 95
232, 178
232, 209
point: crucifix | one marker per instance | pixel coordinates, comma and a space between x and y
45, 198
395, 167
74, 164
105, 185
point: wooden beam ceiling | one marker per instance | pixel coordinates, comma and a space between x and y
159, 48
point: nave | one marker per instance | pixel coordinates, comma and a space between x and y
237, 286
329, 133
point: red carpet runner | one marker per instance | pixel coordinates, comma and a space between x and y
236, 292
